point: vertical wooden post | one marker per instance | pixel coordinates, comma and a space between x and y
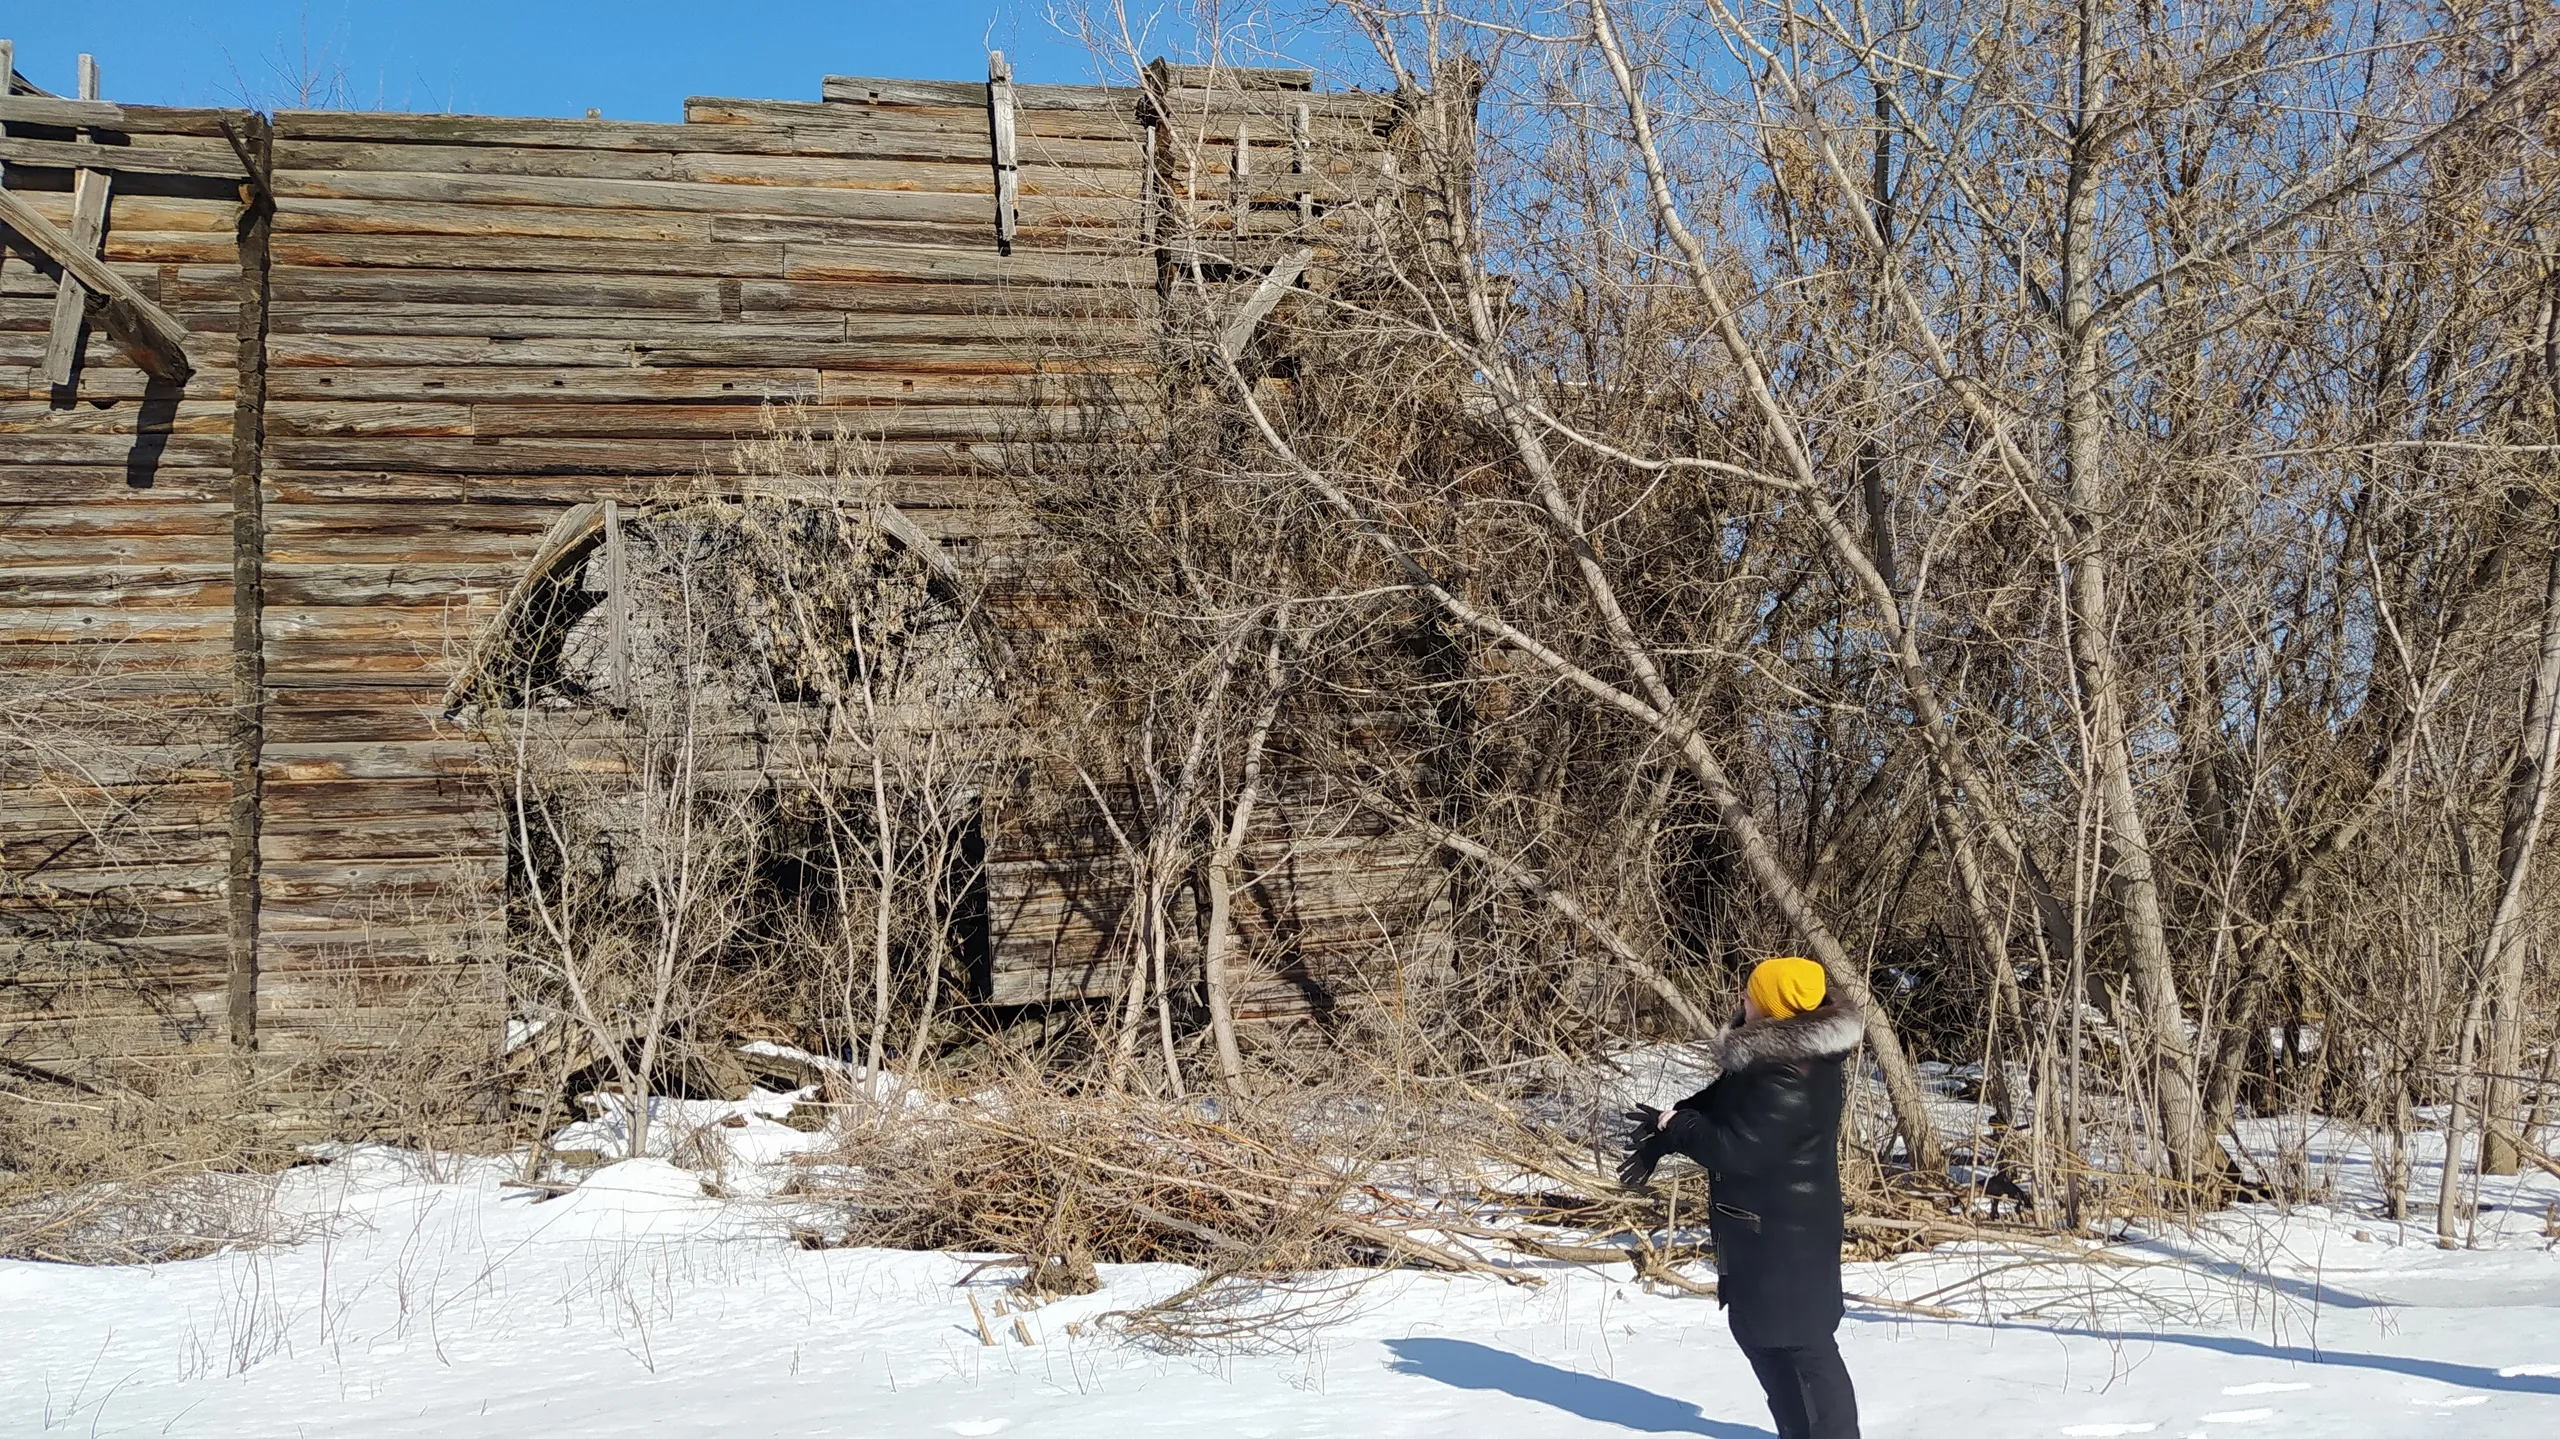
88, 229
617, 607
1147, 183
1240, 181
8, 67
255, 141
1000, 131
1301, 154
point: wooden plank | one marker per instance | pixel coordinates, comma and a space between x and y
1185, 103
71, 300
808, 129
306, 215
891, 124
121, 420
922, 262
696, 295
1238, 335
747, 229
892, 421
211, 161
1230, 77
1102, 173
608, 257
1008, 173
844, 203
353, 419
465, 384
60, 113
877, 94
769, 297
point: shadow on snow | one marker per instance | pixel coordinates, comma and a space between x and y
1464, 1365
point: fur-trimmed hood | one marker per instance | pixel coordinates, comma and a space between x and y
1825, 1033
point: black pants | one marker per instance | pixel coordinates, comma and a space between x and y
1808, 1388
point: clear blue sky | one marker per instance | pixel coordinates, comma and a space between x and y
633, 60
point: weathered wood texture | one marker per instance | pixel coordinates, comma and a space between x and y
116, 599
452, 329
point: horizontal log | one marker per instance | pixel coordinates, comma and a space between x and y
872, 93
905, 488
602, 257
892, 421
722, 199
619, 261
960, 175
106, 378
329, 878
129, 119
645, 331
319, 215
473, 383
126, 556
760, 298
40, 589
1230, 77
967, 265
126, 420
111, 624
16, 109
214, 161
486, 338
357, 418
697, 296
143, 213
322, 760
831, 131
966, 123
434, 835
585, 457
1191, 104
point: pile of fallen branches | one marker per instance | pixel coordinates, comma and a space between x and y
1060, 1181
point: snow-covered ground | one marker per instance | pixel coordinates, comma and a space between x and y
426, 1299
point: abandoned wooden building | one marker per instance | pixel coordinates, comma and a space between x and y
291, 404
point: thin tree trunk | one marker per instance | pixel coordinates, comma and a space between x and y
2528, 796
2091, 501
1224, 871
2449, 1180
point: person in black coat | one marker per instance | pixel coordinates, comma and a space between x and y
1767, 1132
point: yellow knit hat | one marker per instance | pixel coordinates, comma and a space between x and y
1787, 986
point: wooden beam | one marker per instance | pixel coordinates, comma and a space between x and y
617, 605
91, 190
1301, 153
1000, 129
122, 159
150, 335
1239, 332
244, 884
89, 196
67, 114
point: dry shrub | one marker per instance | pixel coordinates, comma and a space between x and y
1276, 1201
1064, 1180
129, 1179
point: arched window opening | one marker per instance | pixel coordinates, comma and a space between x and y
741, 747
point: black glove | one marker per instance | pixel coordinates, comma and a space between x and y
1646, 1146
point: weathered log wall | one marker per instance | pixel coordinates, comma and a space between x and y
116, 602
419, 340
